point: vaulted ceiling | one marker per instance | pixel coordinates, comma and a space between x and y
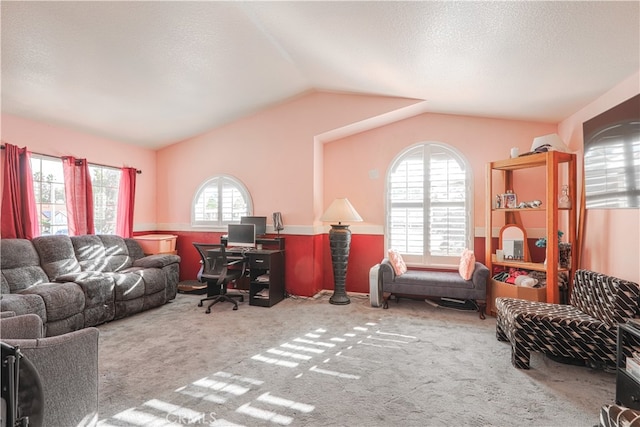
154, 73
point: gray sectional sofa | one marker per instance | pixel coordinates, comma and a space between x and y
81, 281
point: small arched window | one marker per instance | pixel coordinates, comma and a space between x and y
429, 201
219, 201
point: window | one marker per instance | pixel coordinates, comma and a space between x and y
105, 182
48, 183
612, 167
219, 201
48, 186
429, 205
612, 157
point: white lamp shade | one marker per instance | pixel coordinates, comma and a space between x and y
341, 210
553, 140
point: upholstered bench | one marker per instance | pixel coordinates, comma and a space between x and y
586, 329
398, 280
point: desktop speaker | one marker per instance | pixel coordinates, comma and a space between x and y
277, 222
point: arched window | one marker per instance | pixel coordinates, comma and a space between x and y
429, 205
221, 200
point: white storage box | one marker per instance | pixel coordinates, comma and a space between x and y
157, 243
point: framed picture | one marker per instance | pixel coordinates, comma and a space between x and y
509, 201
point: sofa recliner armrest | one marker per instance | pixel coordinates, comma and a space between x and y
25, 326
68, 368
156, 261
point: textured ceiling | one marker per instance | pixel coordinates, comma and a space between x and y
153, 73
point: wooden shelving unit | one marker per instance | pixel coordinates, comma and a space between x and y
552, 162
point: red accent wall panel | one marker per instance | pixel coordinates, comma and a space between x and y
308, 266
366, 251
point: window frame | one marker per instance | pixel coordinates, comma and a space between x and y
426, 259
100, 189
37, 188
220, 180
56, 227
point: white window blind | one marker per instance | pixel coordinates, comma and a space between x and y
429, 205
612, 167
219, 201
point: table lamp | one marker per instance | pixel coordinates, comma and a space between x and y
339, 242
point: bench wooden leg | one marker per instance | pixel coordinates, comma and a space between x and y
385, 299
482, 307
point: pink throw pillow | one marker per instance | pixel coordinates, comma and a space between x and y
467, 264
397, 262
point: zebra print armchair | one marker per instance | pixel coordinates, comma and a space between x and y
585, 329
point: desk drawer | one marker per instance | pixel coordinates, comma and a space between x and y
259, 260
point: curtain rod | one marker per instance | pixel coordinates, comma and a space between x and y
138, 171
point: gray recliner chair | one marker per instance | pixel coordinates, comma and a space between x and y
67, 366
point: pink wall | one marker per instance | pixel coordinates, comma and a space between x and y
357, 166
280, 155
612, 236
272, 152
58, 141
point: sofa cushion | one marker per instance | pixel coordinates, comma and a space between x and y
62, 300
20, 265
128, 286
57, 256
467, 264
102, 253
117, 252
89, 252
98, 291
398, 264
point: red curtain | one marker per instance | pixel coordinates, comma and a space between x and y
79, 196
19, 212
126, 201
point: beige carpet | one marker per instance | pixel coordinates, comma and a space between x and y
305, 362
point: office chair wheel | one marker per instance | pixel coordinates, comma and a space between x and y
200, 304
235, 307
208, 310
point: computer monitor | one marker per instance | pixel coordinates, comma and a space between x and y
259, 221
242, 235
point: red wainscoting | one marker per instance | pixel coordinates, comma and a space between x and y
366, 251
308, 267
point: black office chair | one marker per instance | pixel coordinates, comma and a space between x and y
216, 272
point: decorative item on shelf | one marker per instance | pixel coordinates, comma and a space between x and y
564, 250
498, 201
564, 254
512, 240
277, 222
509, 200
531, 204
340, 241
563, 201
515, 152
551, 142
542, 242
